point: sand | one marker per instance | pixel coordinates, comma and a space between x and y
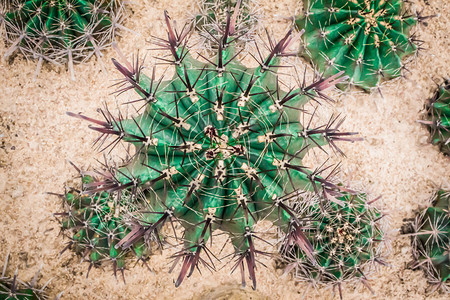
395, 160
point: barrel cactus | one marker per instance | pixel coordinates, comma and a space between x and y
95, 223
438, 118
60, 31
367, 39
212, 16
218, 146
12, 288
347, 237
431, 241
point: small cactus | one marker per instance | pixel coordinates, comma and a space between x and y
438, 118
60, 31
94, 222
12, 288
218, 146
347, 236
367, 39
212, 17
431, 241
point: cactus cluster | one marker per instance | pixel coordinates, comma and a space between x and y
12, 288
431, 241
367, 39
218, 146
212, 17
438, 118
95, 223
60, 31
347, 237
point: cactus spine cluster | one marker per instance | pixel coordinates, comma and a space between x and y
212, 17
61, 31
218, 146
94, 222
438, 118
367, 39
431, 241
347, 238
12, 288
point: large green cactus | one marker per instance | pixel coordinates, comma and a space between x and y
347, 237
367, 39
431, 241
218, 146
61, 31
438, 118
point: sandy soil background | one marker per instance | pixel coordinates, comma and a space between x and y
37, 138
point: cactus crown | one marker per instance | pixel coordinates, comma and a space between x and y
218, 146
438, 118
61, 31
431, 241
346, 235
367, 39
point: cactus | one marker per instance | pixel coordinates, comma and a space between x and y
347, 236
438, 118
15, 289
431, 241
213, 15
94, 223
218, 146
367, 39
61, 31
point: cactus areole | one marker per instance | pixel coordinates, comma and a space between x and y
218, 146
367, 39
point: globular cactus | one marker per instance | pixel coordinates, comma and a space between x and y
94, 222
61, 31
438, 118
12, 288
218, 146
367, 39
347, 236
431, 241
212, 17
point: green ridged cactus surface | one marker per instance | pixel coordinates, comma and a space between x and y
431, 241
438, 118
218, 146
94, 222
61, 31
367, 39
347, 236
212, 16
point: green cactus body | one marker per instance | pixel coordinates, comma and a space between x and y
438, 115
95, 222
346, 235
431, 241
367, 39
219, 146
61, 31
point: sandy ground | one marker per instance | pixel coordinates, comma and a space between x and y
37, 139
